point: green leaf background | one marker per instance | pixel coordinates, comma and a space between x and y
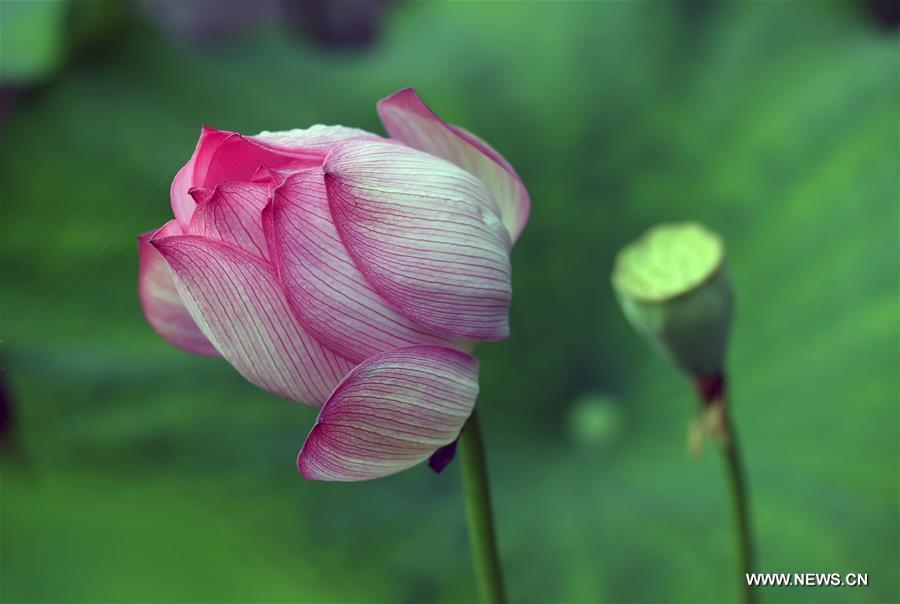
143, 474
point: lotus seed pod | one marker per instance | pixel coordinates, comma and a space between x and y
672, 287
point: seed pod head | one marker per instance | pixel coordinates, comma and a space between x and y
673, 289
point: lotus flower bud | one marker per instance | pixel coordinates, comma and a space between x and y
673, 289
346, 271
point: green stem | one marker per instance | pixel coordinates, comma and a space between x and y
738, 487
478, 509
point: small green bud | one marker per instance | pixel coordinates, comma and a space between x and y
673, 289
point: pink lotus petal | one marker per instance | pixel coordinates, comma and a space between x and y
235, 297
328, 293
223, 156
162, 303
407, 118
315, 138
232, 213
239, 157
268, 176
390, 413
425, 234
193, 173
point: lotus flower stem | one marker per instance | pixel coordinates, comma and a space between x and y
738, 484
478, 509
713, 393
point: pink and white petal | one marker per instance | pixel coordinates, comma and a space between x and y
223, 156
235, 297
390, 413
161, 301
239, 157
268, 176
317, 137
407, 118
232, 212
193, 173
327, 291
425, 234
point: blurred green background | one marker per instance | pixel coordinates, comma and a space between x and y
133, 472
